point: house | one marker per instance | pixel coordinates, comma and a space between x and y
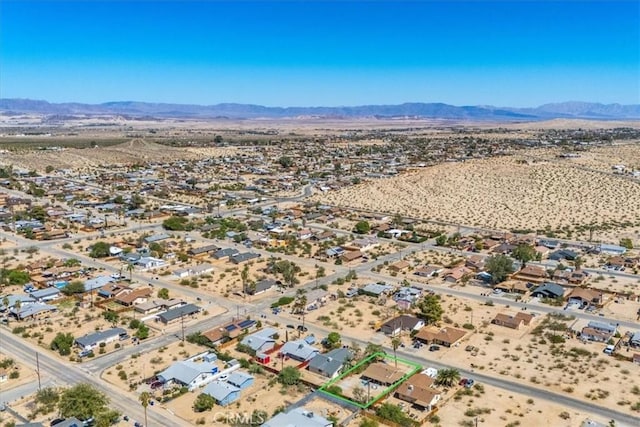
608, 328
299, 350
94, 339
349, 256
590, 334
514, 286
456, 274
444, 336
149, 263
202, 250
158, 304
612, 249
427, 271
570, 277
406, 296
240, 380
401, 323
112, 290
156, 238
223, 392
634, 340
263, 285
512, 322
563, 254
189, 374
261, 341
4, 376
399, 266
96, 283
382, 373
330, 364
548, 290
298, 417
32, 311
585, 296
548, 243
137, 296
200, 269
335, 252
175, 314
475, 262
47, 294
532, 273
229, 330
377, 289
364, 244
243, 257
418, 391
225, 253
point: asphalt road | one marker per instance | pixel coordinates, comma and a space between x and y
64, 373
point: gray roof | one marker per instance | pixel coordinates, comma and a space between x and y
257, 339
299, 349
265, 284
186, 371
226, 252
156, 237
96, 283
298, 417
46, 292
245, 256
602, 326
237, 378
95, 338
33, 309
220, 390
13, 298
376, 288
329, 363
550, 288
176, 313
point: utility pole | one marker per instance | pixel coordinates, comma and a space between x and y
38, 371
182, 322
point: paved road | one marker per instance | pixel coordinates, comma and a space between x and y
63, 373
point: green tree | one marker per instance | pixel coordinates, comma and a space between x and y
49, 169
72, 262
362, 227
110, 316
175, 223
524, 254
144, 398
430, 308
62, 343
333, 340
372, 348
289, 376
448, 377
100, 250
203, 402
626, 243
163, 293
18, 277
394, 413
130, 268
578, 262
47, 398
244, 276
441, 240
82, 401
286, 162
142, 332
106, 418
500, 267
75, 287
368, 422
395, 343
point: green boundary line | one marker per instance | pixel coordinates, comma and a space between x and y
383, 355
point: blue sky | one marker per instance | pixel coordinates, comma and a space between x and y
303, 53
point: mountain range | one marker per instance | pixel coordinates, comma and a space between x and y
577, 110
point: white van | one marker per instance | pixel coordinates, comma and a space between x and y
609, 349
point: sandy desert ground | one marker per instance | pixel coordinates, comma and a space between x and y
502, 193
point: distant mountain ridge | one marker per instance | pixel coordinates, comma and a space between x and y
581, 110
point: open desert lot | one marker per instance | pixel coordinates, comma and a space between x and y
500, 193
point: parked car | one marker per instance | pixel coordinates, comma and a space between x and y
469, 383
434, 348
290, 327
302, 328
462, 381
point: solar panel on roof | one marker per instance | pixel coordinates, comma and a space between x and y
246, 323
230, 328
